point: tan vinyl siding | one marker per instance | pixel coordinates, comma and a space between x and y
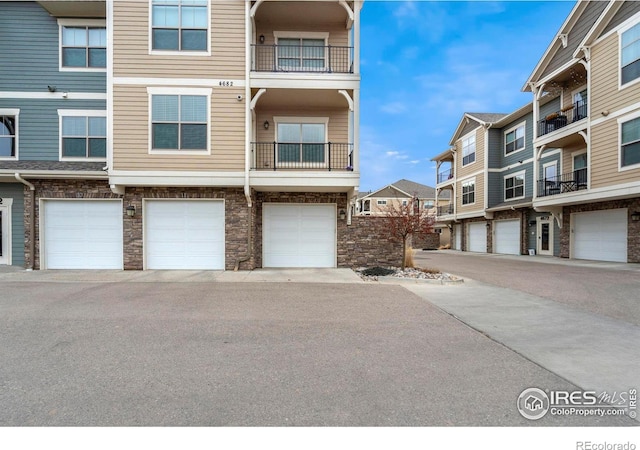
479, 196
462, 172
567, 157
605, 154
337, 36
131, 134
338, 128
131, 44
605, 70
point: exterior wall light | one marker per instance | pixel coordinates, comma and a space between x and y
635, 216
342, 214
266, 124
131, 210
261, 38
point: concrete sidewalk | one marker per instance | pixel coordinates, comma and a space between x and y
591, 351
9, 273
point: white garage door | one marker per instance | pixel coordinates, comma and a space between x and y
82, 234
184, 234
477, 241
600, 235
299, 235
507, 238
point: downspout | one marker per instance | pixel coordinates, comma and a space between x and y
32, 224
247, 134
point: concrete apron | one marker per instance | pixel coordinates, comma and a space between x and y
183, 276
591, 351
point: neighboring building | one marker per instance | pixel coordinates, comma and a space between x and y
561, 175
206, 135
402, 192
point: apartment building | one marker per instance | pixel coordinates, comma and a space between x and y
573, 186
217, 134
397, 194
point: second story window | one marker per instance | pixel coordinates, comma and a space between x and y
630, 55
630, 139
301, 54
301, 142
83, 47
514, 187
180, 25
8, 135
83, 136
514, 140
468, 150
179, 122
469, 192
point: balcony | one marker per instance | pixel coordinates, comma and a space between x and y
562, 184
302, 156
445, 210
563, 118
302, 59
445, 175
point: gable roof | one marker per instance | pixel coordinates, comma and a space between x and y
479, 118
406, 189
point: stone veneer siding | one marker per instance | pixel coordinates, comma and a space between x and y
633, 228
367, 244
426, 241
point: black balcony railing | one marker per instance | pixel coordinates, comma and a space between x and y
305, 156
567, 182
561, 119
445, 210
445, 175
302, 58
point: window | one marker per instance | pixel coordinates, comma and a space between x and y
630, 139
180, 25
301, 54
382, 202
179, 122
630, 55
404, 203
8, 134
514, 186
83, 47
469, 150
514, 140
469, 192
429, 204
301, 142
84, 137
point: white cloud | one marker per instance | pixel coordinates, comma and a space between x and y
394, 108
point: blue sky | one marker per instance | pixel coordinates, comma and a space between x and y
425, 63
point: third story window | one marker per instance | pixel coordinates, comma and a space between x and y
180, 25
7, 136
84, 47
630, 57
84, 137
514, 140
468, 150
514, 187
468, 192
630, 152
179, 122
306, 54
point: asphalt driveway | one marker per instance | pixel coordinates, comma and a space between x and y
203, 353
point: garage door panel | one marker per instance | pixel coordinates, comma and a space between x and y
600, 235
477, 237
184, 234
299, 235
507, 236
83, 234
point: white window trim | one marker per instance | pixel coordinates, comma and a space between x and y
79, 113
549, 164
301, 35
621, 31
179, 52
79, 23
622, 120
475, 145
573, 157
462, 183
151, 91
504, 140
524, 185
381, 202
16, 113
302, 120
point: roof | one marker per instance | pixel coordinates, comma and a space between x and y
71, 166
487, 117
522, 203
407, 188
479, 118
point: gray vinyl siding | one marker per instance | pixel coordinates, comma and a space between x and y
527, 152
549, 108
576, 35
495, 148
495, 189
27, 29
16, 192
626, 11
38, 125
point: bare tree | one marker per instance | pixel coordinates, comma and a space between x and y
405, 219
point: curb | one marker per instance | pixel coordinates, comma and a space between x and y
398, 280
